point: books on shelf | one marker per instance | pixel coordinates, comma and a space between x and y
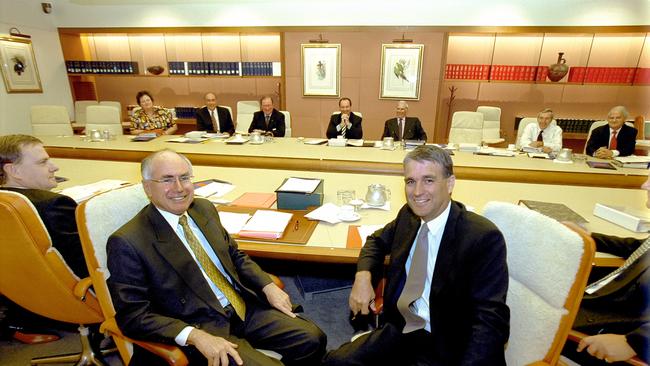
557, 211
101, 67
622, 216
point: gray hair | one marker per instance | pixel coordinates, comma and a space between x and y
147, 162
621, 109
403, 102
544, 111
432, 154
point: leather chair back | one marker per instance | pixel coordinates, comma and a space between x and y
50, 120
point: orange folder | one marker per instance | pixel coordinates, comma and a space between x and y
255, 199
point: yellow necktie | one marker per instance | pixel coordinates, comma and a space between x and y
212, 271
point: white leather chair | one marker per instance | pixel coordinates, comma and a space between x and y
112, 103
522, 125
466, 127
595, 125
102, 117
245, 111
50, 120
548, 266
491, 124
80, 110
287, 123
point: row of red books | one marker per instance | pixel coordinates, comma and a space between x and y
577, 74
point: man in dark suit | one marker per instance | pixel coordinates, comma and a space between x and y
268, 119
616, 307
213, 118
403, 127
346, 123
178, 277
26, 168
446, 282
614, 139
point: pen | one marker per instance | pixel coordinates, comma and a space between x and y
296, 226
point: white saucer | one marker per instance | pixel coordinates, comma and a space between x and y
354, 216
255, 143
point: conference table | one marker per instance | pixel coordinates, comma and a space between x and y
296, 154
328, 242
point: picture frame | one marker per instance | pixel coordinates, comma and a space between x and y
401, 71
321, 69
18, 64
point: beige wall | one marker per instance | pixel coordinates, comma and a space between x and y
360, 72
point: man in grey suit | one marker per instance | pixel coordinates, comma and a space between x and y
402, 127
178, 277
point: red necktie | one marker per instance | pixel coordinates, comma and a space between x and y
612, 142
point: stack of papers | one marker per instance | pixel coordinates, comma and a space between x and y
214, 189
187, 140
464, 146
302, 185
633, 161
538, 155
233, 222
82, 193
266, 224
315, 141
328, 212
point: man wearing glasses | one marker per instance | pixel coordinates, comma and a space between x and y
178, 277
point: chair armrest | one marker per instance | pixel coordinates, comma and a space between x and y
170, 353
81, 288
277, 281
576, 336
379, 296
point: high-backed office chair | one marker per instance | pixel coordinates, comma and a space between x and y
287, 123
522, 125
80, 110
245, 111
50, 120
97, 219
103, 117
548, 265
595, 125
112, 103
491, 124
466, 127
34, 275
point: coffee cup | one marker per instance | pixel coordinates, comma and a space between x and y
565, 155
257, 137
512, 147
95, 135
389, 143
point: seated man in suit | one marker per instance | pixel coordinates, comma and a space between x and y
614, 139
402, 127
446, 283
26, 168
268, 119
346, 123
616, 308
213, 118
543, 134
178, 277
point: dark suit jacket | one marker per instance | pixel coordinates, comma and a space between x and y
157, 287
625, 140
276, 123
354, 132
412, 130
469, 315
623, 305
204, 122
57, 213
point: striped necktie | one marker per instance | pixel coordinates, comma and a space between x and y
212, 271
628, 262
344, 129
415, 279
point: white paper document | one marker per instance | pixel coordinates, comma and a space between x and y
81, 193
299, 185
268, 221
328, 212
365, 230
214, 189
315, 141
233, 222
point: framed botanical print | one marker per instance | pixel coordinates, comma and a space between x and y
321, 69
401, 71
19, 69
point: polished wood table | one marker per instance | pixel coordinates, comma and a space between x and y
292, 154
328, 242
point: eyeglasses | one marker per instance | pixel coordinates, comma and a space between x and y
170, 181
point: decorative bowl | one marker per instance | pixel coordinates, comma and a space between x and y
156, 69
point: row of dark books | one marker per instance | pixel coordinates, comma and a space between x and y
257, 68
185, 112
577, 74
101, 67
574, 125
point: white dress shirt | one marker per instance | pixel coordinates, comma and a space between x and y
436, 229
552, 135
172, 219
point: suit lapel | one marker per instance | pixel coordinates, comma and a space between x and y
172, 249
446, 252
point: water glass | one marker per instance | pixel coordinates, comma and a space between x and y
344, 196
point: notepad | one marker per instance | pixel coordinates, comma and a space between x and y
82, 193
266, 224
255, 199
